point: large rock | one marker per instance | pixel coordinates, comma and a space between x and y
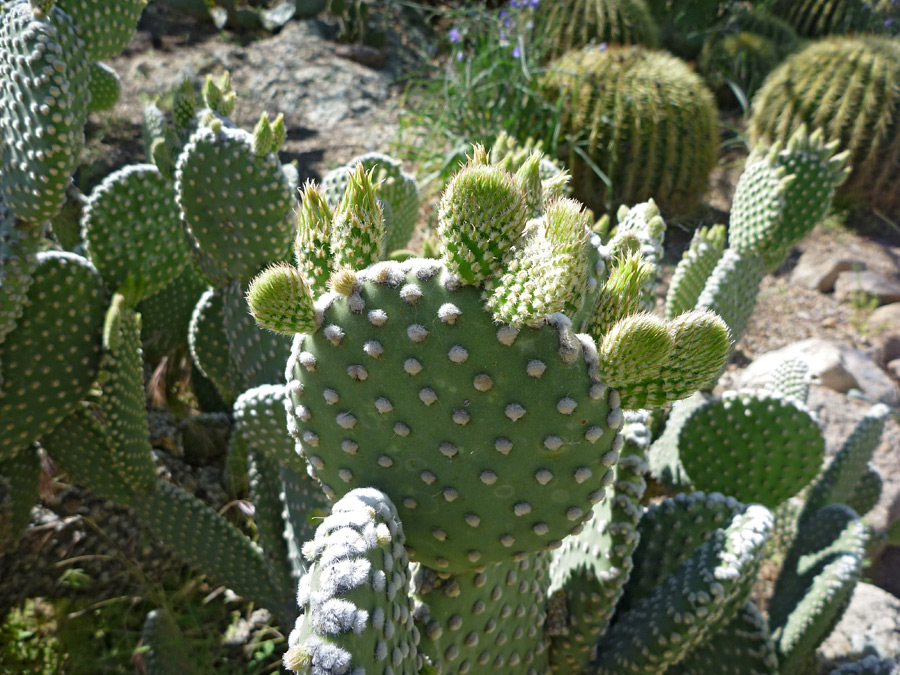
866, 284
884, 327
871, 625
817, 270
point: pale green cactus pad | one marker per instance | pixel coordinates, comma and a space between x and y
791, 378
470, 434
131, 228
105, 26
588, 572
105, 88
356, 611
701, 595
693, 269
51, 359
235, 204
754, 445
732, 288
43, 85
485, 621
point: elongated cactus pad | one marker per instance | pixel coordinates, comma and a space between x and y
694, 269
471, 433
572, 24
844, 86
105, 88
643, 118
235, 204
590, 569
485, 622
356, 611
105, 26
753, 445
702, 594
43, 85
51, 359
131, 228
732, 288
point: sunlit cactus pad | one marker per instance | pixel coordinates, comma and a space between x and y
757, 446
235, 204
483, 622
411, 387
131, 227
43, 86
50, 360
105, 25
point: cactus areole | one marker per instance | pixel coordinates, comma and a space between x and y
411, 386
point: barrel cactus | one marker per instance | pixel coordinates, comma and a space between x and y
643, 118
573, 24
846, 87
815, 18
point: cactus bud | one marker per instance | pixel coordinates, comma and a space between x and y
280, 301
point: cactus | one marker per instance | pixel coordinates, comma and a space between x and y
105, 88
815, 18
573, 24
105, 30
643, 119
843, 86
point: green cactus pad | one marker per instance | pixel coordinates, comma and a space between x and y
644, 222
395, 188
166, 315
589, 570
51, 359
122, 402
206, 541
79, 446
235, 205
693, 269
669, 532
105, 88
732, 288
485, 622
867, 492
164, 648
644, 118
816, 582
846, 87
782, 194
839, 481
260, 419
43, 85
22, 472
257, 355
791, 378
105, 26
209, 344
665, 464
19, 244
305, 506
702, 594
66, 225
572, 24
151, 248
753, 445
356, 611
491, 444
741, 647
265, 487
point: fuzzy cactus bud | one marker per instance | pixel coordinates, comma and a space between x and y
312, 246
263, 137
621, 294
358, 230
483, 212
529, 177
280, 300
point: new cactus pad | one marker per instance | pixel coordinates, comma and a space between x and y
643, 118
845, 87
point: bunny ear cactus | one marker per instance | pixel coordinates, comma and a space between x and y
572, 24
106, 28
44, 78
694, 269
846, 87
643, 119
105, 88
19, 244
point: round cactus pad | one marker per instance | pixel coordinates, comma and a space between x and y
755, 446
411, 387
131, 227
50, 360
105, 25
43, 85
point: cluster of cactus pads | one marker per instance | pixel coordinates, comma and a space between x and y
446, 456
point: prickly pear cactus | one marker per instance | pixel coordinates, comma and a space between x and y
105, 27
105, 88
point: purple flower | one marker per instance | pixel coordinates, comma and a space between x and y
459, 56
888, 21
603, 46
454, 35
516, 52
